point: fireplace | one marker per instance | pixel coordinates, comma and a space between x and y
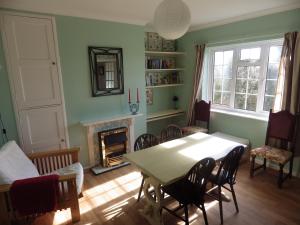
112, 145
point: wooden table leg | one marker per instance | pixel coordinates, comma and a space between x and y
153, 206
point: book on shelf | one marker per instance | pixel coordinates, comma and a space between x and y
157, 63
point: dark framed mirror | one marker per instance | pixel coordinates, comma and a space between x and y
106, 67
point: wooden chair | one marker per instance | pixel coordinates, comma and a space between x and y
201, 115
282, 127
191, 189
142, 142
170, 133
47, 162
226, 174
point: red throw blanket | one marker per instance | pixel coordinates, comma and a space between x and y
35, 195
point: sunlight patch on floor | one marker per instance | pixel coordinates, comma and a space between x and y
61, 217
115, 210
103, 194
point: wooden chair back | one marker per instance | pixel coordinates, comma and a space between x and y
145, 141
49, 161
202, 112
197, 178
229, 165
170, 133
281, 125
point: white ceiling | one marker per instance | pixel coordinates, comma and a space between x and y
204, 13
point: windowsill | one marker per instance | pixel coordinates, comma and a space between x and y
240, 114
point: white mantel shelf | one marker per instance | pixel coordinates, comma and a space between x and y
91, 126
95, 122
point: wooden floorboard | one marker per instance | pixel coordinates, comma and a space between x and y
110, 199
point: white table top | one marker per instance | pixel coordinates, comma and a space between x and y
169, 161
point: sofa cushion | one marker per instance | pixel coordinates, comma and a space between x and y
73, 168
14, 164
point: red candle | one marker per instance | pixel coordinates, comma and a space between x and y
129, 100
137, 95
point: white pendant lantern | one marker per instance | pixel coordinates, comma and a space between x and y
172, 19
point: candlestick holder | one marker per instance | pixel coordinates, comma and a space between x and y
134, 107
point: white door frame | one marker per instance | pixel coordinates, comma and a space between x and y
9, 69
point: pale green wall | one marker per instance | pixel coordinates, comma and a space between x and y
74, 36
249, 30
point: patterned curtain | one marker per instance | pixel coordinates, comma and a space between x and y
288, 85
197, 77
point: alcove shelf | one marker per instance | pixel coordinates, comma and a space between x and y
166, 70
164, 85
164, 114
164, 53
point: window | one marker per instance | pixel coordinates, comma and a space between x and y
244, 76
110, 74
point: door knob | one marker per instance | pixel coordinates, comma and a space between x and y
53, 63
62, 140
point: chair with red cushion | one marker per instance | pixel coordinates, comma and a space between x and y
281, 127
201, 116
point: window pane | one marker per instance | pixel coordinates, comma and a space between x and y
255, 53
271, 87
219, 58
272, 71
227, 84
217, 98
268, 103
222, 77
245, 54
239, 101
218, 71
241, 86
228, 55
271, 78
254, 72
253, 86
242, 72
250, 54
218, 84
251, 102
226, 99
275, 53
227, 71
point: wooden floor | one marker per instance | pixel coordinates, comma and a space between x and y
110, 199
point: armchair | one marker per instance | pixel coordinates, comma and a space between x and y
61, 162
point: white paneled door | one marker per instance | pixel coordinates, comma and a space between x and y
35, 81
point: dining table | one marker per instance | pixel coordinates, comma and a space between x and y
170, 161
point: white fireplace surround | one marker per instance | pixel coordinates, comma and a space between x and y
95, 126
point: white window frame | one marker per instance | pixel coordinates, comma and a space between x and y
263, 62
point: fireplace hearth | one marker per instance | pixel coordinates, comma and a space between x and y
112, 145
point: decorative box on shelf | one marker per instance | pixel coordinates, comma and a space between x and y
153, 42
153, 79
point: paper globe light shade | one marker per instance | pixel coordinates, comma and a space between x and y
172, 19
